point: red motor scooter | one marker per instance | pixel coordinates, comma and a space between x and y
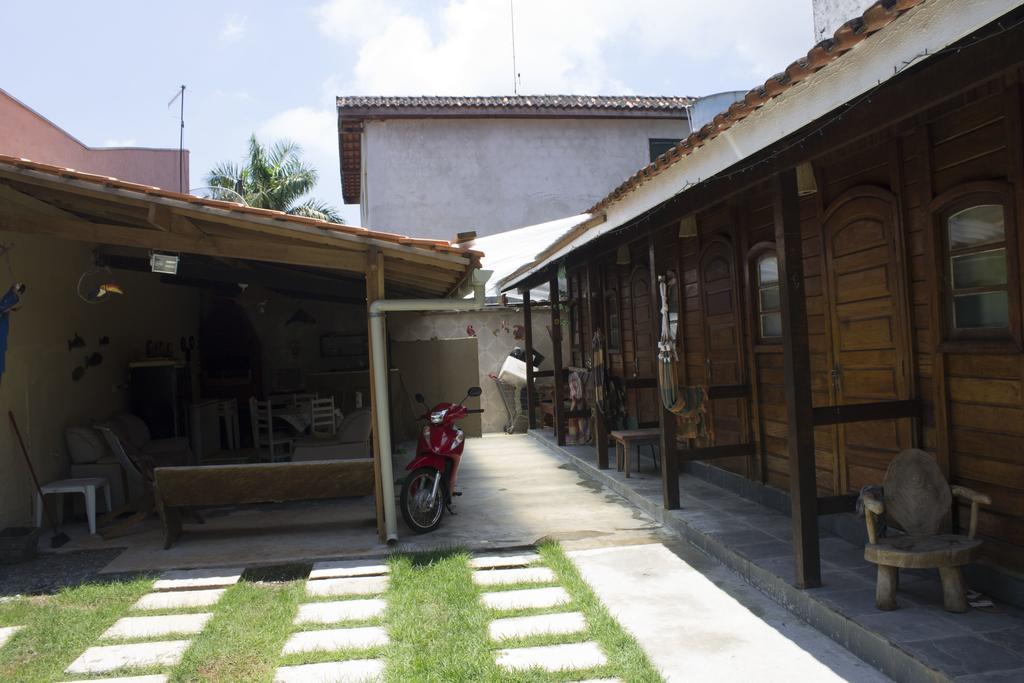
429, 488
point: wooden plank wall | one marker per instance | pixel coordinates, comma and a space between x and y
972, 394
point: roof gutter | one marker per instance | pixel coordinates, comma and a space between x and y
477, 282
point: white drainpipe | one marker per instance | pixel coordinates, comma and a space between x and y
378, 352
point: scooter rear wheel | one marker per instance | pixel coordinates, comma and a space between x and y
422, 516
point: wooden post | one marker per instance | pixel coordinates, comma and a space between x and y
374, 291
666, 419
595, 287
797, 370
556, 358
531, 395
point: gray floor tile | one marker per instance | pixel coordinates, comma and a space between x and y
960, 655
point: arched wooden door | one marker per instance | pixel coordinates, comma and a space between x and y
723, 343
644, 329
868, 329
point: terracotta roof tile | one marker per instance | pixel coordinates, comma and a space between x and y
874, 18
234, 207
589, 102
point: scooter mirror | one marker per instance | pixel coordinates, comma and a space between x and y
474, 391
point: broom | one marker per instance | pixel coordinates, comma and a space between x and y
59, 538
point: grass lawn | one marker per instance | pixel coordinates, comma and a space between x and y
435, 620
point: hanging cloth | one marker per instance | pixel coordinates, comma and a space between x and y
7, 303
690, 404
578, 427
599, 373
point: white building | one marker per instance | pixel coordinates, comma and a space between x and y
490, 164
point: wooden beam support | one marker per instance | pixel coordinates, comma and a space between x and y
797, 373
374, 291
595, 290
85, 231
666, 419
728, 391
834, 505
866, 412
556, 358
159, 216
739, 450
531, 393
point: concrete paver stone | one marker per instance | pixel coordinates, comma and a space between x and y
349, 585
164, 625
6, 632
104, 658
352, 671
542, 624
553, 657
339, 610
498, 577
180, 599
155, 678
335, 639
528, 598
501, 561
185, 579
339, 568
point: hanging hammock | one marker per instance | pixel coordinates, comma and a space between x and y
691, 403
598, 372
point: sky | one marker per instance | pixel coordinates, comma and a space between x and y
104, 70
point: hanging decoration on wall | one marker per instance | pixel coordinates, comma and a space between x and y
93, 359
75, 342
77, 374
95, 286
8, 303
104, 340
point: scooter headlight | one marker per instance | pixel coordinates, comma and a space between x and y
437, 417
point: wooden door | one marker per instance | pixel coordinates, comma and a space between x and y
644, 330
868, 330
723, 343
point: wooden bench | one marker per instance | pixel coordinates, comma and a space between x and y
626, 439
918, 499
212, 485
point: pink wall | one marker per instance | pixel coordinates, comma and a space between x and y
26, 134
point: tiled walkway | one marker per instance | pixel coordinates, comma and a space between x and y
342, 622
532, 616
755, 540
141, 640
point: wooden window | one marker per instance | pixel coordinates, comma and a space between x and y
769, 307
978, 264
612, 324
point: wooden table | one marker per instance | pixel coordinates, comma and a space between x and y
625, 440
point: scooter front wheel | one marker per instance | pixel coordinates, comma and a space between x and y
420, 512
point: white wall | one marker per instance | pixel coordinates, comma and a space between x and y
829, 15
37, 384
437, 177
494, 330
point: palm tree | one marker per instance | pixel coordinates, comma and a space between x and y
274, 178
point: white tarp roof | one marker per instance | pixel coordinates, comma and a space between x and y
505, 252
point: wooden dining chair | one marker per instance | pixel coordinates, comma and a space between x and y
278, 445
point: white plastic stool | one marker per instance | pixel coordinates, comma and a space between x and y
86, 486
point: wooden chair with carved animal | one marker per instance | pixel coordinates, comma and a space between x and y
918, 500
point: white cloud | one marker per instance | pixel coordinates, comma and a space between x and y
316, 131
233, 28
574, 46
120, 142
